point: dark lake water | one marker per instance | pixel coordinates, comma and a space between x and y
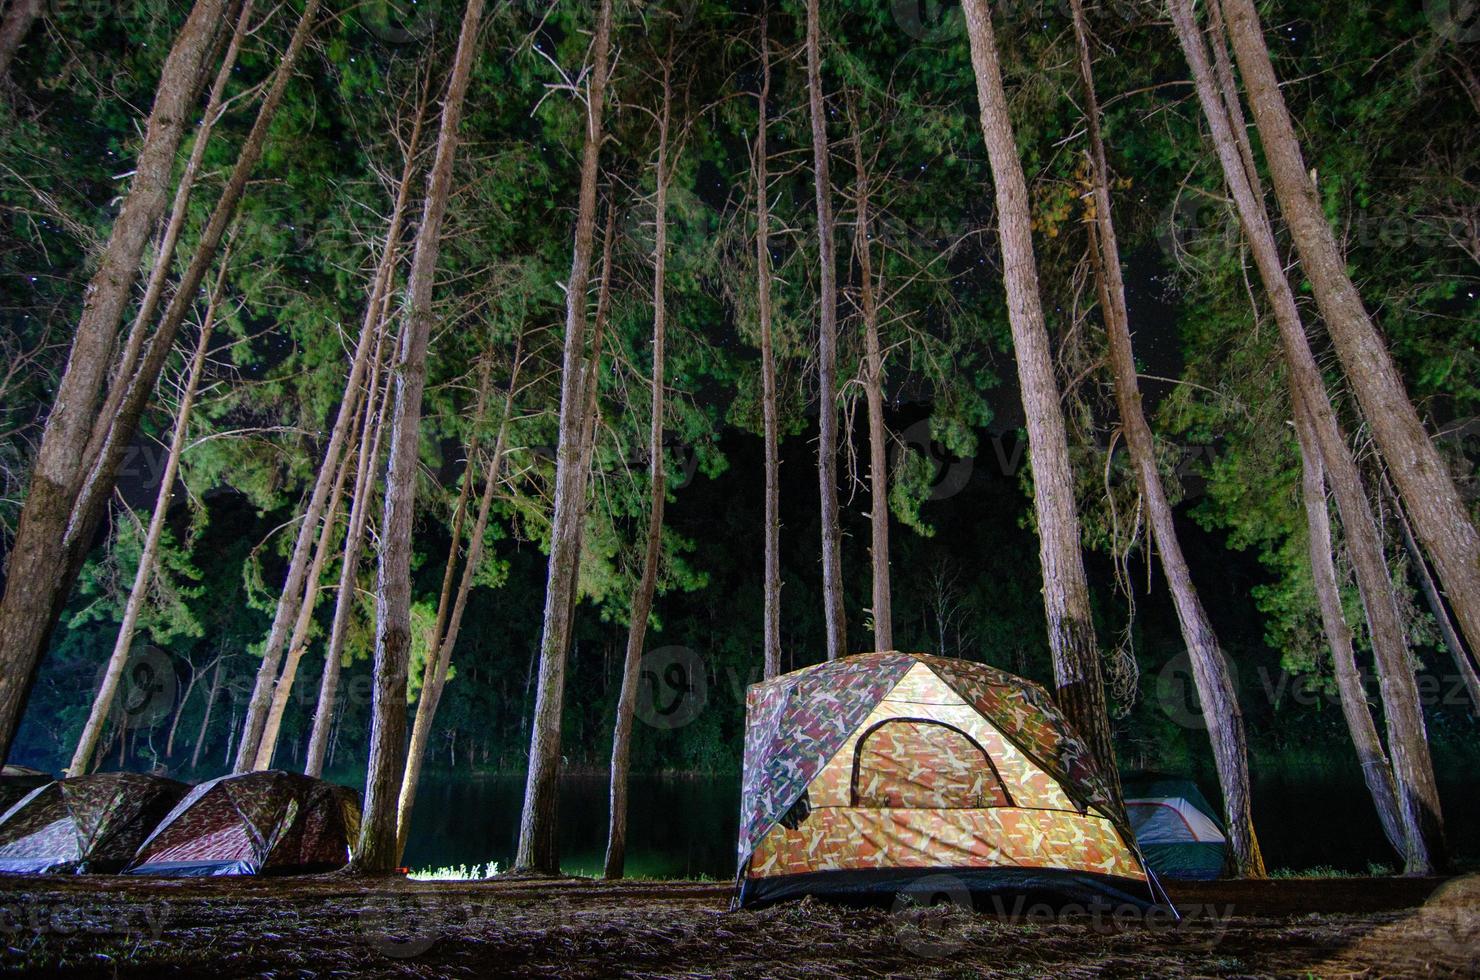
685, 827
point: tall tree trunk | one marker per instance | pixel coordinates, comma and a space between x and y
772, 583
538, 848
35, 577
91, 503
377, 852
19, 17
590, 387
377, 309
1424, 481
873, 387
1071, 637
439, 656
298, 643
642, 595
1215, 689
1377, 771
164, 257
349, 570
827, 351
1435, 601
139, 592
1408, 744
205, 718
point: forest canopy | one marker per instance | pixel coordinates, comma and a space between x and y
456, 381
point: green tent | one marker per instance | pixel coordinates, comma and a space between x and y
1176, 828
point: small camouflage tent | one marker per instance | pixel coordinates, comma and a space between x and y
1177, 829
84, 824
268, 822
867, 774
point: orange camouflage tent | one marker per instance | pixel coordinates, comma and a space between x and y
865, 774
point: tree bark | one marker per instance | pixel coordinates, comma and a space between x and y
873, 387
642, 595
538, 848
1216, 692
164, 257
19, 17
91, 503
1408, 744
349, 571
1078, 686
772, 584
377, 852
35, 577
827, 351
1377, 771
298, 643
205, 718
439, 657
1435, 601
103, 702
378, 308
1423, 479
590, 386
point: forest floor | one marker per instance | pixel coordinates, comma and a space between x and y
328, 926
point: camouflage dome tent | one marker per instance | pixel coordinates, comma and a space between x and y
84, 824
268, 822
867, 775
1175, 826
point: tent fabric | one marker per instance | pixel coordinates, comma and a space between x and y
913, 763
1172, 820
268, 822
84, 824
797, 721
1037, 724
1157, 785
881, 763
1176, 828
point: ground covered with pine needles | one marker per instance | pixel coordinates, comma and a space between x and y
334, 926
